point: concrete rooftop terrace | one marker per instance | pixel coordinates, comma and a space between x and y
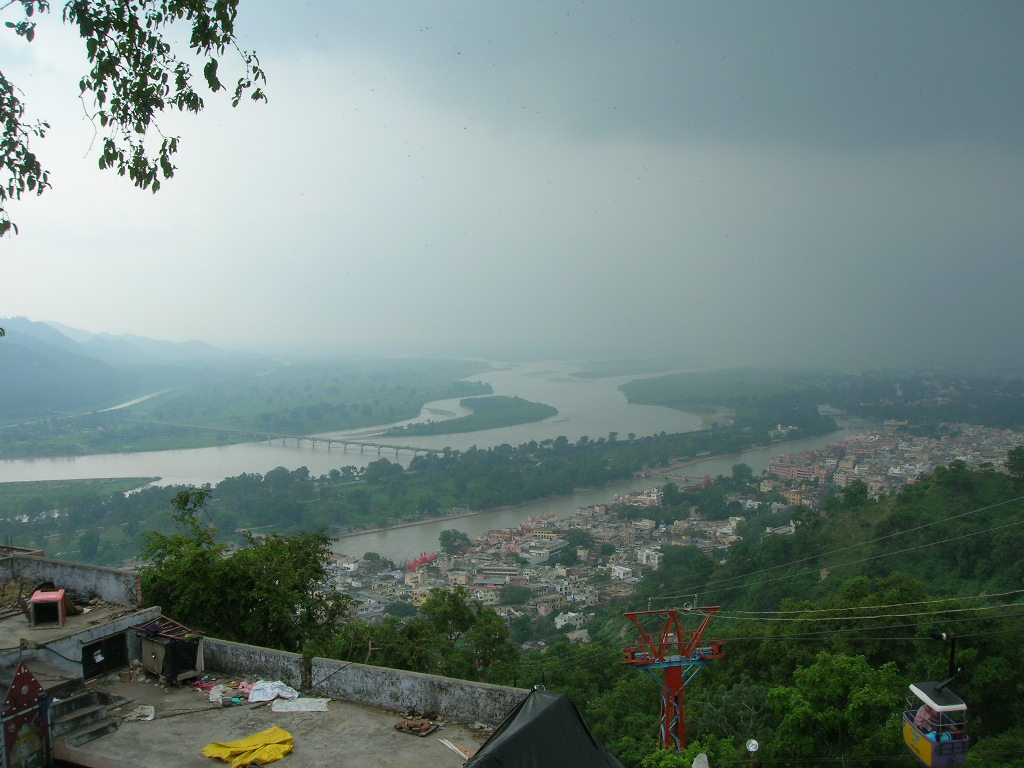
15, 626
185, 721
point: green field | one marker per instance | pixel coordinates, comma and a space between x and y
488, 413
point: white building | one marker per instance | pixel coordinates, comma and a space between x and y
576, 620
649, 556
621, 572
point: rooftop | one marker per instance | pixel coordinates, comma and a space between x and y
91, 669
185, 722
15, 626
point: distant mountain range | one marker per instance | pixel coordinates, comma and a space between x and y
48, 368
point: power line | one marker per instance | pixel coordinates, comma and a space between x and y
843, 565
876, 616
816, 637
577, 657
715, 582
837, 632
886, 605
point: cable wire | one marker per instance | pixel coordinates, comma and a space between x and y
840, 565
886, 605
876, 616
716, 582
835, 632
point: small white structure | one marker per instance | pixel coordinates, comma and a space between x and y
572, 619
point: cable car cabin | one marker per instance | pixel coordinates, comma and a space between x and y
933, 725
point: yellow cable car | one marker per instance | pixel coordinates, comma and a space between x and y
934, 725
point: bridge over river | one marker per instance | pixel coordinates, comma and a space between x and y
271, 436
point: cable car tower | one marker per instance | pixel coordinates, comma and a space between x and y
667, 645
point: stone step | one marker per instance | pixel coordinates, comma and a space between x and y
84, 734
77, 700
62, 722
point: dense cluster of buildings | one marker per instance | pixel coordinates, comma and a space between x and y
884, 460
563, 566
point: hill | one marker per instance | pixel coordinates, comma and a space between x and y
47, 370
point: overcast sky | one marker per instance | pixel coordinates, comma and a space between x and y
803, 182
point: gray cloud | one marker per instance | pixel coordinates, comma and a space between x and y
795, 182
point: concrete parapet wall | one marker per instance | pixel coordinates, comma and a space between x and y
238, 660
395, 689
112, 585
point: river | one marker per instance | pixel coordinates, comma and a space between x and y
591, 407
401, 544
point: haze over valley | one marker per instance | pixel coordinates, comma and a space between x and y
727, 184
476, 337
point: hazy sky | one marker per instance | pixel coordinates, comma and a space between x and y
815, 182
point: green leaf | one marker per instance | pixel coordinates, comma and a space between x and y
210, 72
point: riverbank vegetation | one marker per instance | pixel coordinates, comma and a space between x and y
925, 400
487, 413
381, 494
53, 493
298, 399
103, 432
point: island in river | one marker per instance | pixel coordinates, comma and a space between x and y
490, 412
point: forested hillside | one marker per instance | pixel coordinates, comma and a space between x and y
824, 630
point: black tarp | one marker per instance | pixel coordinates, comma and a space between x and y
544, 730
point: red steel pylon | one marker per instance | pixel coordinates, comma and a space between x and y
678, 651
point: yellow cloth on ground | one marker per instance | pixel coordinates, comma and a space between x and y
265, 746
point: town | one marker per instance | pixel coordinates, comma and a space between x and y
563, 568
